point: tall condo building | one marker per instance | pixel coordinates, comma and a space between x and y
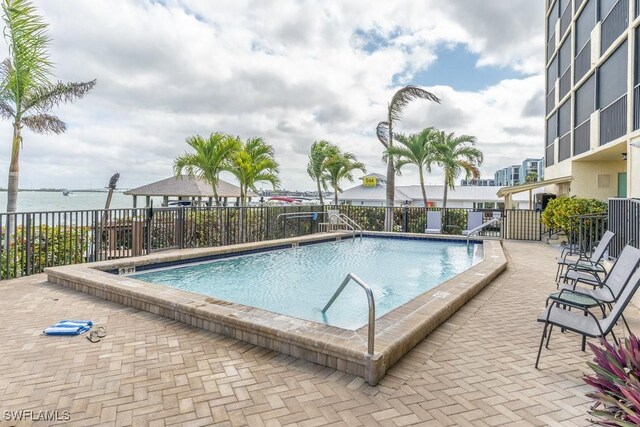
593, 97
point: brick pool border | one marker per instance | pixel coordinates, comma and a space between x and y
397, 332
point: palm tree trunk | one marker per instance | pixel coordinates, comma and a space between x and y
390, 193
424, 190
444, 205
12, 184
335, 196
14, 171
320, 192
444, 198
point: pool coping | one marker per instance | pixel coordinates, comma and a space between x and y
346, 350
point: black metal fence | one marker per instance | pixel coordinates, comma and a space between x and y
624, 220
586, 231
32, 241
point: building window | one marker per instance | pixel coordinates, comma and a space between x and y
584, 25
585, 101
612, 77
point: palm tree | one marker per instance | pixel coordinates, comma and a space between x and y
455, 154
26, 93
416, 149
211, 156
384, 130
254, 162
338, 167
320, 152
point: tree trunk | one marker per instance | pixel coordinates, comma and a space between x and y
424, 190
391, 178
335, 196
12, 184
444, 197
320, 192
14, 170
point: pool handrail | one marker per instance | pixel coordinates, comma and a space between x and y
482, 226
350, 223
372, 307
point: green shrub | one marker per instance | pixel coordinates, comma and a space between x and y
44, 246
559, 211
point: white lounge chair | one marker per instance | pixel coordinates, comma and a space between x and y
333, 219
434, 222
474, 220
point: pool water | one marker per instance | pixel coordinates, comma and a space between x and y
298, 282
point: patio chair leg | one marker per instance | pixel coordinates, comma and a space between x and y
625, 323
615, 340
544, 333
549, 337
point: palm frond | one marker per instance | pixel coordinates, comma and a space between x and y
44, 123
6, 110
25, 33
404, 96
5, 75
44, 98
382, 131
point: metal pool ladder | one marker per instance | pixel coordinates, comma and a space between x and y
483, 226
372, 307
347, 222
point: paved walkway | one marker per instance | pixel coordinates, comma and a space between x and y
476, 369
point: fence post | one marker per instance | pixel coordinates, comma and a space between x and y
97, 236
180, 228
266, 222
28, 247
405, 219
148, 228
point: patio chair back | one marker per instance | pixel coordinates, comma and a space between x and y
602, 247
334, 216
434, 222
625, 297
474, 219
622, 270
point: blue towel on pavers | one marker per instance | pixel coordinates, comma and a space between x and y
69, 327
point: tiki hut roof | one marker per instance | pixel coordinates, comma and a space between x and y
186, 186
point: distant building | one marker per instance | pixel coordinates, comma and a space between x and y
532, 166
517, 174
372, 192
507, 177
488, 182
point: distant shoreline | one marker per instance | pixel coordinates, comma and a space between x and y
59, 190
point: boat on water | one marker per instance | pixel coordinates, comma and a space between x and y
66, 192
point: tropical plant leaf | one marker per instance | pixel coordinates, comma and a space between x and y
382, 131
44, 123
44, 98
6, 110
403, 97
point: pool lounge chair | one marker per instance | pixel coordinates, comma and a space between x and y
592, 263
475, 219
608, 290
434, 222
333, 220
582, 321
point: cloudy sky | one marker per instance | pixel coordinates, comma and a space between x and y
290, 71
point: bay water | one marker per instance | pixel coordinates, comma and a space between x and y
41, 201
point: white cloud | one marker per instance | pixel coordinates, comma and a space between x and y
289, 71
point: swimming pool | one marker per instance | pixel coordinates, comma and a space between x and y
347, 350
299, 281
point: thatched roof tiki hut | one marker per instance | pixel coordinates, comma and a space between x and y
185, 188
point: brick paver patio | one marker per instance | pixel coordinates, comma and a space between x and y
476, 369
